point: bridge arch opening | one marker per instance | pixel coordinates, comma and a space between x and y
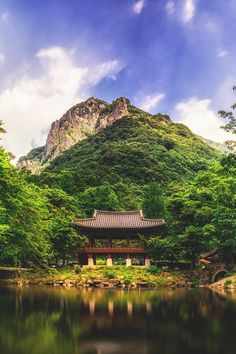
220, 274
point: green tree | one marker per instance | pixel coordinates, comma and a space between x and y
64, 211
24, 217
102, 197
203, 212
64, 237
130, 195
164, 249
153, 202
230, 126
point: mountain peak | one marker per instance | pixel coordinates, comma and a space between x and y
80, 121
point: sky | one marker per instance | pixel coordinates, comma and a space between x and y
173, 57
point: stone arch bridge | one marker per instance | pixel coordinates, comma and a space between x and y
213, 267
211, 273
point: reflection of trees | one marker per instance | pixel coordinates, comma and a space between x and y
52, 321
35, 322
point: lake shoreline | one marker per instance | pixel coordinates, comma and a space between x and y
94, 284
118, 277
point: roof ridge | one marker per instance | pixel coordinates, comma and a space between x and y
148, 219
118, 212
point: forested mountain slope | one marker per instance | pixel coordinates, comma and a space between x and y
133, 151
93, 115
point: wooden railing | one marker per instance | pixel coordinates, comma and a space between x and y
112, 249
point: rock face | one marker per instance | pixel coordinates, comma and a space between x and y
75, 125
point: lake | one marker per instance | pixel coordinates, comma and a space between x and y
55, 321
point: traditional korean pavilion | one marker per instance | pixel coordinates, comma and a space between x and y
127, 226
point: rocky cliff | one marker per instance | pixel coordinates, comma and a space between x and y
79, 122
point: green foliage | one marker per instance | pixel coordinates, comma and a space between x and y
154, 203
109, 273
153, 270
63, 212
35, 224
129, 165
203, 213
101, 198
77, 270
230, 126
130, 195
24, 217
133, 152
164, 249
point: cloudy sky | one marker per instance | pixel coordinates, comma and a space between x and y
175, 57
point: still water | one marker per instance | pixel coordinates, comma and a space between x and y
51, 321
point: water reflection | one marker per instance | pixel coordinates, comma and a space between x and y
40, 321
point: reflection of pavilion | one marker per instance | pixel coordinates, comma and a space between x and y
110, 225
108, 311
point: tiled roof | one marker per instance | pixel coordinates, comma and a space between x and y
118, 220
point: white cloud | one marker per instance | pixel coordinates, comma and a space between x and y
201, 119
170, 7
2, 58
138, 6
188, 10
150, 102
32, 103
225, 96
4, 17
221, 53
184, 10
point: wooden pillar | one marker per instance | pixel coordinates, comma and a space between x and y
109, 260
94, 259
90, 260
147, 261
128, 261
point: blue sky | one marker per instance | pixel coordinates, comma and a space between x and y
175, 57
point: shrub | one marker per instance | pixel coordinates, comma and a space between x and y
77, 269
153, 270
109, 274
195, 282
127, 281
